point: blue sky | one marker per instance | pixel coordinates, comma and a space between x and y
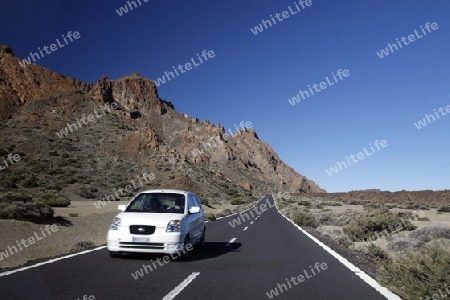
252, 76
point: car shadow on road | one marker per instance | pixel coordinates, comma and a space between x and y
209, 250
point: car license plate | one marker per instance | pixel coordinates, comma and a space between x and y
140, 240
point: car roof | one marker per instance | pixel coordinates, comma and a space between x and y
166, 191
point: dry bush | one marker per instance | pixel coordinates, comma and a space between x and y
304, 218
371, 222
418, 275
427, 234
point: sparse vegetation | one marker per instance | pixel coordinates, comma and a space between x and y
444, 208
19, 206
304, 218
209, 216
81, 246
237, 201
53, 200
371, 222
419, 274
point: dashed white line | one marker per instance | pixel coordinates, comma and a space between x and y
181, 286
245, 229
231, 242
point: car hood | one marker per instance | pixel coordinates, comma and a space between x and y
152, 219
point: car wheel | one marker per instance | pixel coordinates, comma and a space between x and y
185, 252
201, 243
114, 254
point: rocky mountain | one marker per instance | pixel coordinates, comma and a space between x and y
84, 140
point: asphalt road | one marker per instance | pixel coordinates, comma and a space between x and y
266, 252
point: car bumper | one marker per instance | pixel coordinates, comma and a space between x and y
164, 243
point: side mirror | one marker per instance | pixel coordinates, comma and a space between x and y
194, 210
121, 207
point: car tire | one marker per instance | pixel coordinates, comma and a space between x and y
201, 243
113, 254
185, 253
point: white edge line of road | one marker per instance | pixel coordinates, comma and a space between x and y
49, 261
366, 278
256, 203
181, 286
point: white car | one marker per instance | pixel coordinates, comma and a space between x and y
158, 221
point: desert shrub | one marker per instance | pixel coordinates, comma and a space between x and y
419, 274
209, 216
10, 198
399, 244
355, 202
25, 210
331, 203
372, 205
30, 181
88, 193
53, 153
73, 215
371, 222
70, 180
304, 218
204, 201
81, 246
391, 205
53, 200
376, 253
304, 202
427, 234
56, 171
237, 201
7, 184
223, 213
444, 208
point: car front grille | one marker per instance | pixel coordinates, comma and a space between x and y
142, 229
142, 245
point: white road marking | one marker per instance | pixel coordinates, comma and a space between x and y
49, 261
245, 229
181, 286
366, 278
251, 222
242, 211
231, 242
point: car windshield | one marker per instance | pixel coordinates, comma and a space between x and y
158, 203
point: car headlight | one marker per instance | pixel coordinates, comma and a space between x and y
174, 226
115, 224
